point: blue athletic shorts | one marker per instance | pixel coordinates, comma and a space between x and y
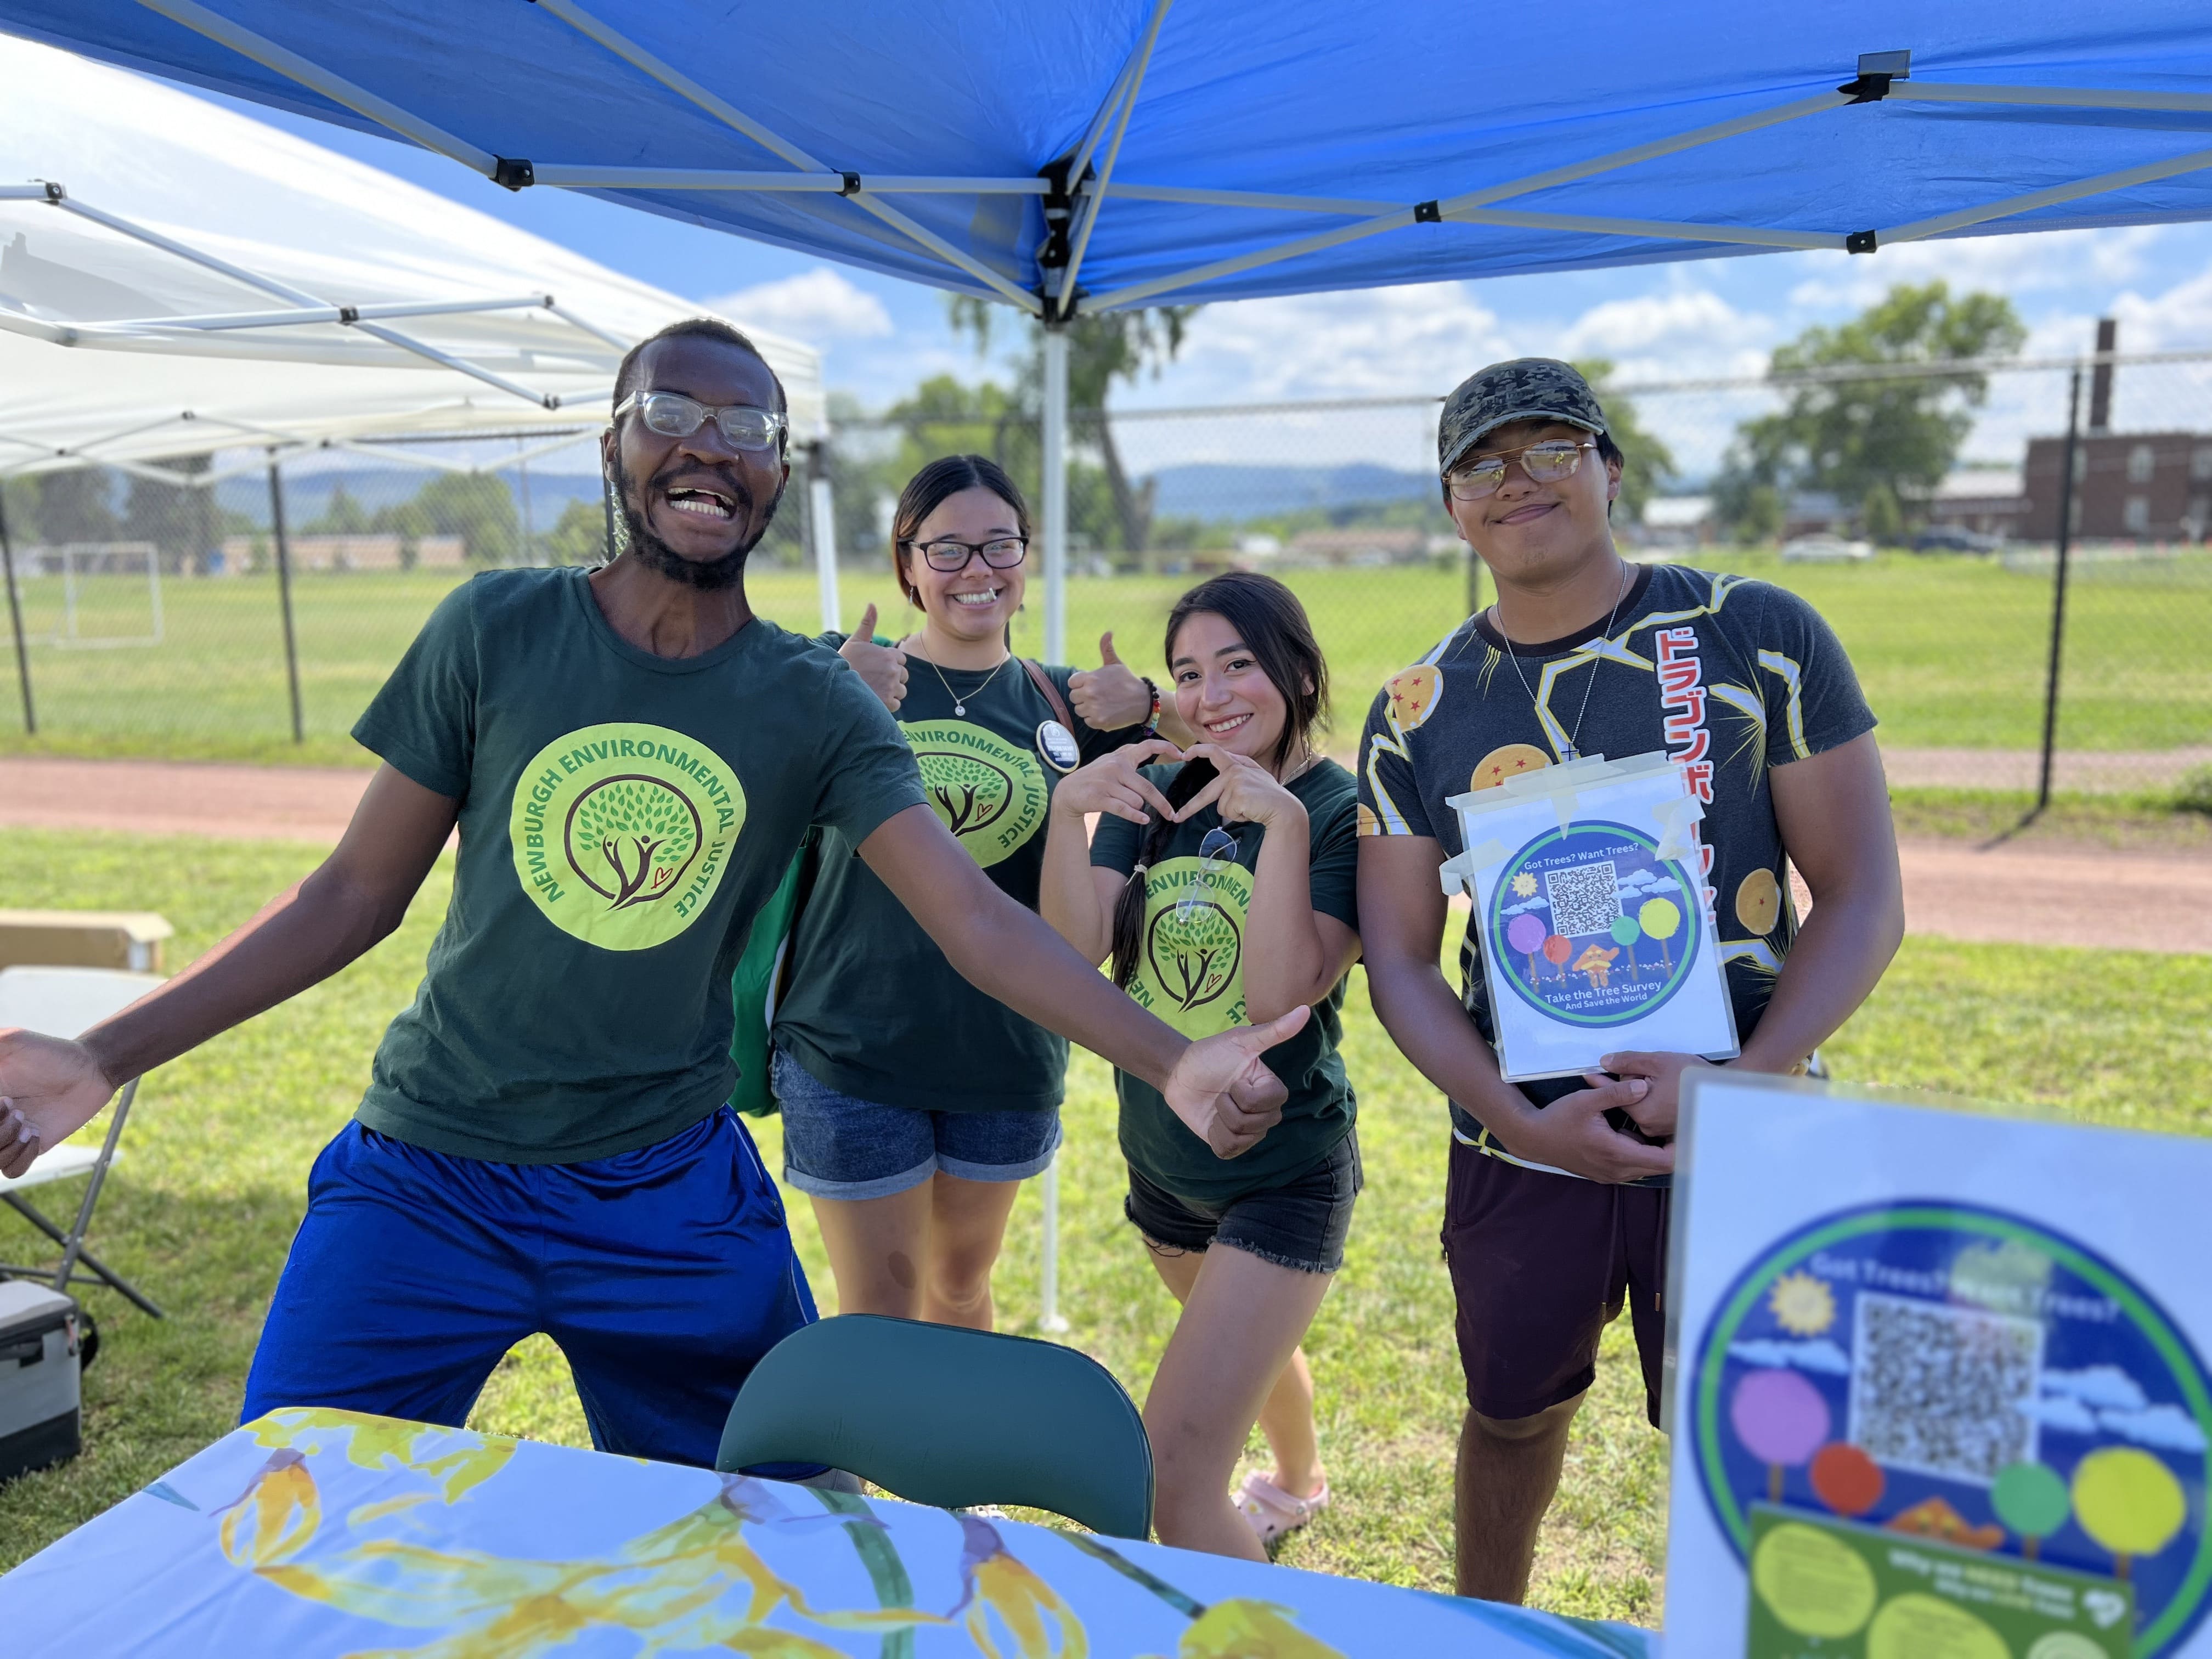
664, 1273
837, 1146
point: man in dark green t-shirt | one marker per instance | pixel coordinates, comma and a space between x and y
630, 757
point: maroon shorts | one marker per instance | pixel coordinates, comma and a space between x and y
1541, 1265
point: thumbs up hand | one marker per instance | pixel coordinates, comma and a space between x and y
883, 666
1109, 696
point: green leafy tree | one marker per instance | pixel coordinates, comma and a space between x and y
1850, 436
341, 516
644, 830
479, 508
179, 520
1118, 345
971, 794
578, 537
1647, 462
75, 506
1194, 955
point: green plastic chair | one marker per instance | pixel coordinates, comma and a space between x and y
951, 1417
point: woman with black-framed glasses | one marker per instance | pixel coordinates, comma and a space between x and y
1222, 886
914, 1105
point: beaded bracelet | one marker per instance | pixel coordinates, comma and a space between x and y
1152, 720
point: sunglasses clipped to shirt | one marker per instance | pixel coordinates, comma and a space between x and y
1547, 462
672, 415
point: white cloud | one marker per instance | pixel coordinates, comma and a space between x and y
2023, 263
815, 306
1819, 1355
1690, 332
2165, 1426
2061, 1411
2106, 1386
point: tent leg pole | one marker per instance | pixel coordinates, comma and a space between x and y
1055, 651
1055, 494
284, 596
15, 619
2065, 546
822, 523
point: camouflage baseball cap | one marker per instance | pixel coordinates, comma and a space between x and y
1525, 389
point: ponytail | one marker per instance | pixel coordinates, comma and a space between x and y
1129, 908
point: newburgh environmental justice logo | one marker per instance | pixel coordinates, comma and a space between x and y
621, 832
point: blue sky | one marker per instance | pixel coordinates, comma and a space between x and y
880, 337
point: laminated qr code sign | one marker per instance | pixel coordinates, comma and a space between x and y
1595, 933
1938, 1388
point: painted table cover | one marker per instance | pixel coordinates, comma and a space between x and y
313, 1532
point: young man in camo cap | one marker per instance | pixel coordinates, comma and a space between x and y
1556, 1205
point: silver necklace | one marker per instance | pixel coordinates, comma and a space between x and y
960, 704
1574, 737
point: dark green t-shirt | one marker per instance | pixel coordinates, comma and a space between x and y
623, 816
1190, 972
873, 1010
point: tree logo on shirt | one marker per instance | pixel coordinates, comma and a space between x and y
990, 794
1191, 970
621, 832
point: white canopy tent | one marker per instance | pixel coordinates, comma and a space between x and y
178, 278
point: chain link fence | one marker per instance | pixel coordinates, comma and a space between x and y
153, 616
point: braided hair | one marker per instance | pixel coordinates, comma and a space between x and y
1273, 626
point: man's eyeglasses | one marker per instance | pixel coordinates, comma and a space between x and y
1545, 462
1216, 849
672, 415
1002, 553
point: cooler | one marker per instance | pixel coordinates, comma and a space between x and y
37, 1377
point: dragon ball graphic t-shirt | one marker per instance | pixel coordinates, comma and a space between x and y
622, 818
1731, 676
873, 1009
1190, 972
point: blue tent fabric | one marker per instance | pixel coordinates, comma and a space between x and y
1371, 109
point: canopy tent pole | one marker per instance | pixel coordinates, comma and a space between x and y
16, 618
1054, 513
284, 593
822, 526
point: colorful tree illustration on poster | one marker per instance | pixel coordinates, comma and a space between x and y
1660, 919
1525, 935
2031, 1499
1782, 1419
1625, 930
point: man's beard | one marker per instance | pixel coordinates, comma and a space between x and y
648, 550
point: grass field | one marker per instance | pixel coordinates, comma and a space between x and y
202, 1208
1952, 650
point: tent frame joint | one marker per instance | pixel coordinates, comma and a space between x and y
1056, 251
511, 173
1862, 241
848, 183
1876, 70
1430, 212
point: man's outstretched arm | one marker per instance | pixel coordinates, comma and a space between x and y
1401, 925
50, 1088
1218, 1086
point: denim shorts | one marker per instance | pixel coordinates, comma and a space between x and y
1300, 1225
837, 1146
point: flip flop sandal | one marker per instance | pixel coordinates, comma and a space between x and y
1272, 1512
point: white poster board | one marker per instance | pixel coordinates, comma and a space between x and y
1596, 936
1939, 1389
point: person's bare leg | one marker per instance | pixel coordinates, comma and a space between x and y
967, 1223
1287, 1419
1242, 1320
1509, 1470
878, 1250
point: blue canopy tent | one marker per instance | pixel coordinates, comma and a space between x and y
1120, 153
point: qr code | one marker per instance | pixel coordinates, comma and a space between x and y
1583, 901
1941, 1389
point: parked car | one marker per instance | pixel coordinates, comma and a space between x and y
1822, 548
1950, 538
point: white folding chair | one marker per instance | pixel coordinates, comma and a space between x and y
66, 1002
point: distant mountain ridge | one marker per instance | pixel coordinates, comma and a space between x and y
307, 495
1215, 490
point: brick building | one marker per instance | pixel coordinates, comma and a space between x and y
2140, 486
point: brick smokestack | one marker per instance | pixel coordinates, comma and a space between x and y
2100, 378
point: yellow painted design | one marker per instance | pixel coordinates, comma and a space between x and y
276, 1516
694, 1583
1028, 1611
1802, 1304
1369, 824
370, 1514
463, 1460
1511, 760
1241, 1629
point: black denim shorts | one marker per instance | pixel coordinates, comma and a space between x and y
1300, 1225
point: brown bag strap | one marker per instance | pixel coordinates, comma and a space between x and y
1042, 681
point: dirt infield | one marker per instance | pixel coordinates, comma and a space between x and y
2022, 895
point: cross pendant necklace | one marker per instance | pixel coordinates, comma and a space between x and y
1568, 751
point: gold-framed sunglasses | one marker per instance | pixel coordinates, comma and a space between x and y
1547, 462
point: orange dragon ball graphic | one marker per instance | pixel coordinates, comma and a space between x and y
1510, 762
1759, 901
1414, 695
